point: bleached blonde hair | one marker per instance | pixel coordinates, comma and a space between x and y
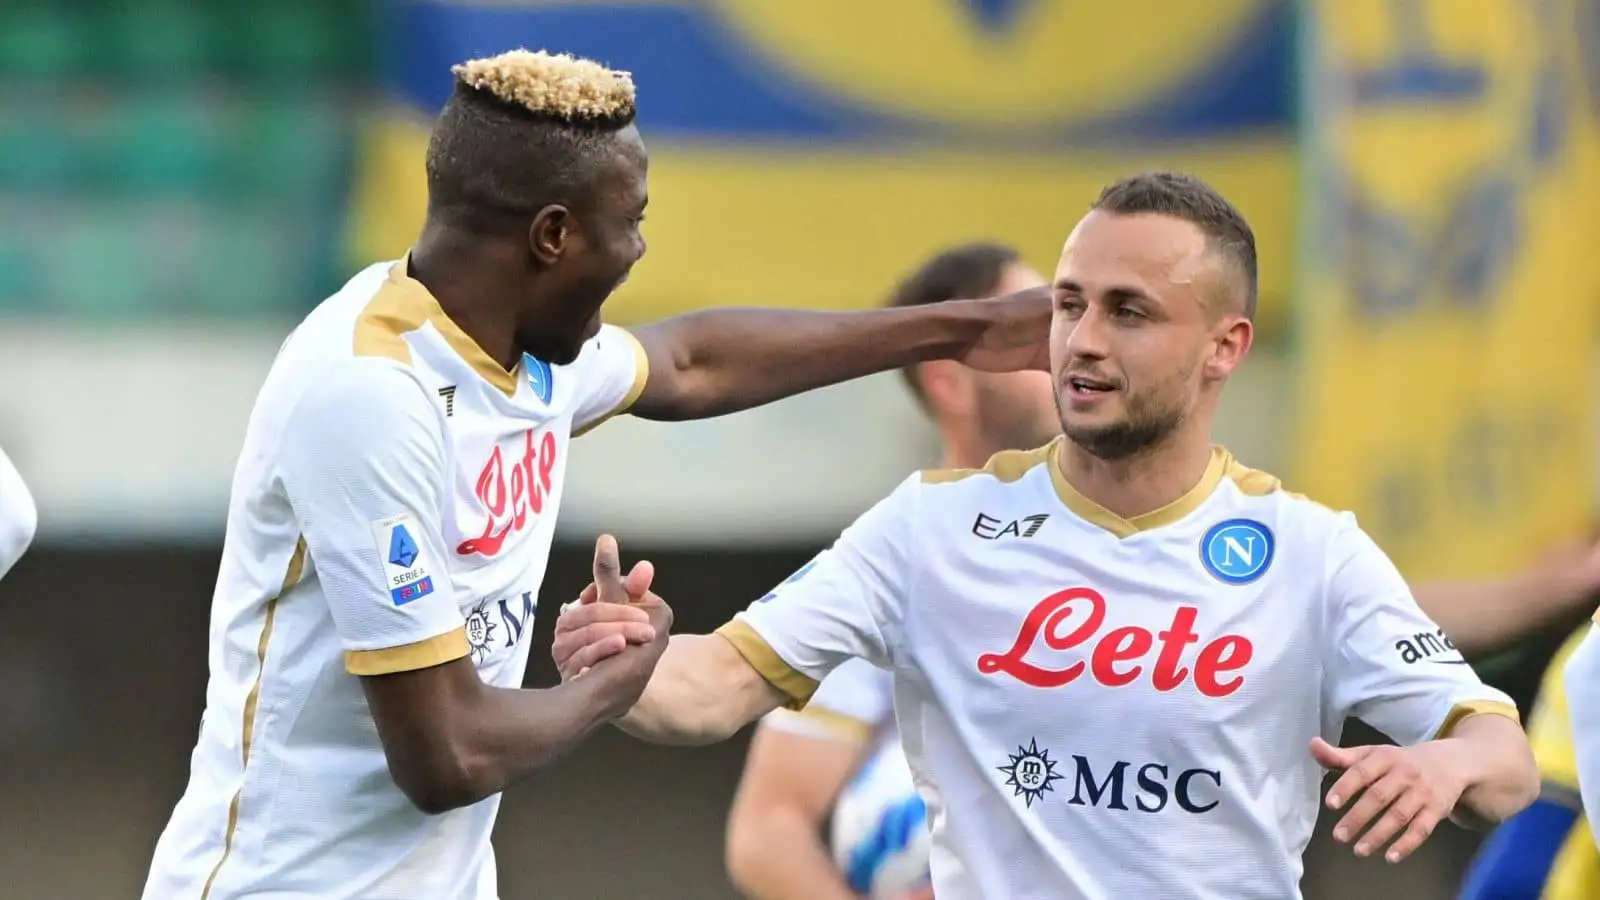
521, 130
558, 85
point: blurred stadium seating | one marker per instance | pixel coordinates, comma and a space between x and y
171, 157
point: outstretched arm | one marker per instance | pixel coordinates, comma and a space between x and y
702, 692
1483, 616
719, 361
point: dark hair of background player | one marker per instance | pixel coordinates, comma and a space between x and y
965, 272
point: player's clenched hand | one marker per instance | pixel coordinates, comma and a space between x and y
607, 617
1018, 335
1398, 791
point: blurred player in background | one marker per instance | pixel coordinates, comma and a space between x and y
396, 497
19, 518
1140, 699
799, 762
1547, 851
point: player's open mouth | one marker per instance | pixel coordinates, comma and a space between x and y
1088, 387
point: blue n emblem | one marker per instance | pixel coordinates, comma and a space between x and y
402, 549
540, 378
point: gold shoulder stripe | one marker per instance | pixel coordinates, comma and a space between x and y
1007, 466
641, 377
402, 305
381, 327
768, 663
435, 651
1463, 711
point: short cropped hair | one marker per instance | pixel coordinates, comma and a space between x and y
1192, 200
523, 130
964, 272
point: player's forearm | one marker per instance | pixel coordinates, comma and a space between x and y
702, 692
779, 857
1478, 619
1503, 778
719, 361
505, 734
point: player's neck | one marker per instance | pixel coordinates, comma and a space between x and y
459, 274
1139, 484
962, 453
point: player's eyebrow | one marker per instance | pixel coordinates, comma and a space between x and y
1118, 294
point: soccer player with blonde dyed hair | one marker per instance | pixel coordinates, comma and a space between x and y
395, 500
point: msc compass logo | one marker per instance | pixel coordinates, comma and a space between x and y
1237, 551
1030, 772
480, 632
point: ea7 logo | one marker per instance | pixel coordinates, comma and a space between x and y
991, 529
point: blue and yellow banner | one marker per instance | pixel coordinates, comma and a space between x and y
808, 153
1445, 324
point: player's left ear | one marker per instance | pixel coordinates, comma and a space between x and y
552, 230
1231, 341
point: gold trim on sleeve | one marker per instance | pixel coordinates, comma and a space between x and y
766, 661
1463, 711
435, 651
641, 376
837, 723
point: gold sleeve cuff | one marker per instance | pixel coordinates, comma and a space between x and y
768, 663
1463, 711
839, 724
435, 651
641, 375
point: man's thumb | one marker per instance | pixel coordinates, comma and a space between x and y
608, 569
1330, 757
637, 584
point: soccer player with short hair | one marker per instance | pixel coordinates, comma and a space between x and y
1139, 699
799, 762
396, 496
19, 517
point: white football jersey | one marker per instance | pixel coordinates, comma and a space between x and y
1098, 708
1581, 678
855, 702
392, 509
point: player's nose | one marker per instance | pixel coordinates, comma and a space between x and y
1088, 338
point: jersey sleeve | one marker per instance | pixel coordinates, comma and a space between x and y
850, 704
19, 516
1388, 664
847, 603
612, 371
362, 461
